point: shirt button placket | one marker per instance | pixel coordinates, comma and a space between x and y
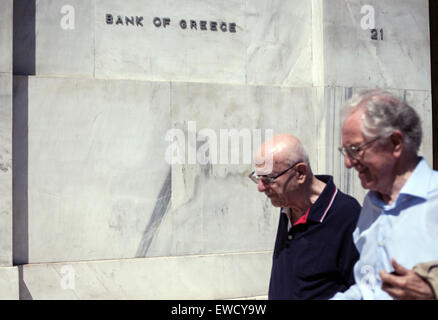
381, 242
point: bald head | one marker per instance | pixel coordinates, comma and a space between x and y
284, 160
282, 150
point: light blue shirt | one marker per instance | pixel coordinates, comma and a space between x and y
406, 230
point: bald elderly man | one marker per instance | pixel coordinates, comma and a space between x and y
314, 252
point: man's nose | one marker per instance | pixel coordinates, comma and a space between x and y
349, 161
261, 186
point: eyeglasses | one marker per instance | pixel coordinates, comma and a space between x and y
268, 180
354, 151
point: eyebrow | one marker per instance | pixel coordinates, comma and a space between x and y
354, 144
265, 175
270, 172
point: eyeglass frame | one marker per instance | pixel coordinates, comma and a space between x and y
270, 180
353, 151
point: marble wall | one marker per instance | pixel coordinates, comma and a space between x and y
286, 43
9, 276
9, 283
6, 134
96, 165
95, 98
5, 169
257, 49
400, 61
190, 277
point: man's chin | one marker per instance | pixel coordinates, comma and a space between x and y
277, 204
366, 184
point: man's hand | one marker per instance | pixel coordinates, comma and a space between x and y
405, 284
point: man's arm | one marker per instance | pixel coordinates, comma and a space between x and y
421, 283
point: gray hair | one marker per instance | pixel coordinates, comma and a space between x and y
383, 114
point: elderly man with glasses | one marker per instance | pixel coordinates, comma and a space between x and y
398, 224
314, 251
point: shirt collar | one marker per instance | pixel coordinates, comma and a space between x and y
417, 186
322, 205
418, 183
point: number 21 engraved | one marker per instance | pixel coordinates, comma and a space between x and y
374, 34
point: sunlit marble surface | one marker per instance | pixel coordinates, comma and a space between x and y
401, 60
9, 279
5, 169
218, 276
96, 174
91, 180
6, 133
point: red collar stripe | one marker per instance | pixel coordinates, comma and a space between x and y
303, 218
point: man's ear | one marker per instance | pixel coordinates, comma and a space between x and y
397, 143
301, 170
